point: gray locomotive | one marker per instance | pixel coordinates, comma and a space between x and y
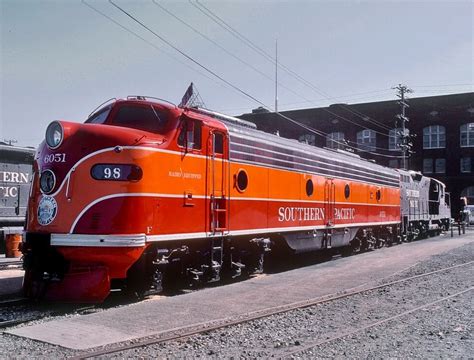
425, 205
15, 177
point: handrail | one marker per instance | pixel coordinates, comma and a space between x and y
145, 97
98, 107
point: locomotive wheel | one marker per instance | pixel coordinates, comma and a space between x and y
364, 245
34, 287
258, 268
143, 279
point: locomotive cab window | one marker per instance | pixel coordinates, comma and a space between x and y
146, 118
447, 199
218, 143
190, 135
100, 116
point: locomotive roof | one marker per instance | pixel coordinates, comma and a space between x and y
16, 149
247, 144
276, 151
16, 154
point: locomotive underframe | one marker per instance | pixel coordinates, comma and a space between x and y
190, 263
420, 229
175, 264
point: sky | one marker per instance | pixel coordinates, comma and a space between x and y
61, 59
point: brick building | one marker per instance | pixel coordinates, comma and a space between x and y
443, 125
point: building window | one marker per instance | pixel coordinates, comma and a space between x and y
427, 166
395, 138
467, 135
434, 137
335, 140
440, 166
393, 163
469, 194
366, 140
466, 165
308, 139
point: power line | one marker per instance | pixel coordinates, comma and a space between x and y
214, 17
186, 55
143, 39
318, 132
257, 70
206, 11
222, 48
446, 85
345, 97
435, 91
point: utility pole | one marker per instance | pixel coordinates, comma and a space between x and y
405, 143
10, 141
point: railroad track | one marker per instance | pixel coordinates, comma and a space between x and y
43, 309
185, 332
13, 301
288, 353
7, 265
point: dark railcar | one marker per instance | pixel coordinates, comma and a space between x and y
15, 178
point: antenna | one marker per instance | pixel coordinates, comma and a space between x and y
191, 98
10, 141
276, 75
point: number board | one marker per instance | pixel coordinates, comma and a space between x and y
117, 172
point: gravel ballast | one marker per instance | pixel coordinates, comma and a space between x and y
438, 331
442, 331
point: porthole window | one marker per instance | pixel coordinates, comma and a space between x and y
242, 180
309, 187
347, 191
378, 195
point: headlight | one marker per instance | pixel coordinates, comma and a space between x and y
47, 181
54, 135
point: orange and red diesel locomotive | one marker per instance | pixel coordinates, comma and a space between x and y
145, 192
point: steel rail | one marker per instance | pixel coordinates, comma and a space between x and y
5, 264
13, 301
187, 331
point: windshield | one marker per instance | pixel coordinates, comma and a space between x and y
100, 116
147, 118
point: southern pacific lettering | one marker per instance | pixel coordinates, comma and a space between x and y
313, 214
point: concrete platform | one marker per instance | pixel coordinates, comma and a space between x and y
10, 282
165, 313
10, 279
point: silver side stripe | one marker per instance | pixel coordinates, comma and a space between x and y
139, 240
200, 235
127, 240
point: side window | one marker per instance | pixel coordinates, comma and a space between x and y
190, 135
218, 143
